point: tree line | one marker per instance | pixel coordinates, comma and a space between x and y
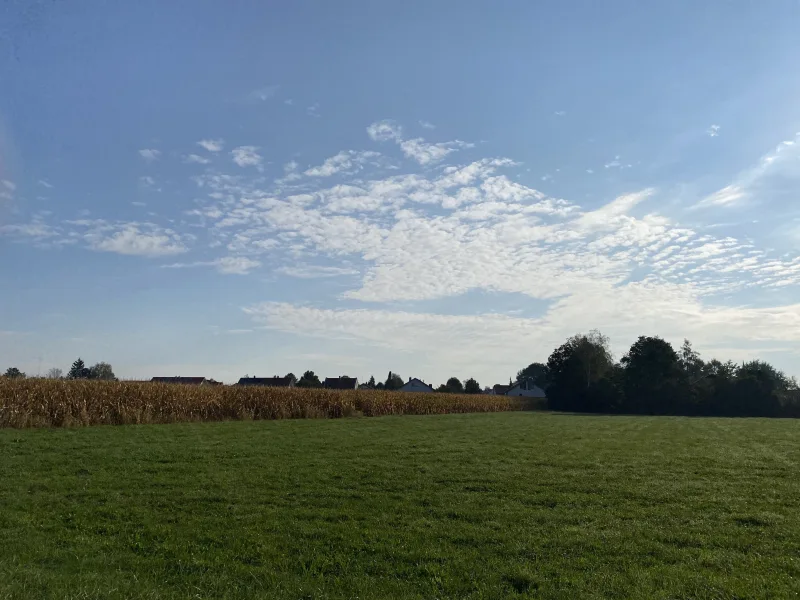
653, 378
393, 382
581, 375
78, 370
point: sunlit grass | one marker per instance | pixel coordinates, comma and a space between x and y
502, 505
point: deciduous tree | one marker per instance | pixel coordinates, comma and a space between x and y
55, 373
471, 386
102, 371
393, 382
309, 380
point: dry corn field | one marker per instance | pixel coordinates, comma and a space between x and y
48, 403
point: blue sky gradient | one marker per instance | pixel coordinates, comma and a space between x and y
437, 188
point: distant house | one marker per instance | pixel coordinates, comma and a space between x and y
340, 383
500, 389
186, 380
416, 385
267, 381
526, 388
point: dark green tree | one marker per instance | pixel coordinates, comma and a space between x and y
690, 361
379, 385
393, 382
14, 373
103, 371
575, 370
78, 370
309, 380
758, 391
454, 386
471, 386
654, 378
291, 377
536, 372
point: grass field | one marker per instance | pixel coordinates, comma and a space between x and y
498, 505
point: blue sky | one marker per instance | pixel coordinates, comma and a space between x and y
437, 188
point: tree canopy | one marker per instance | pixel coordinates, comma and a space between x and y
653, 378
103, 371
471, 386
454, 386
309, 380
393, 382
14, 373
536, 372
78, 370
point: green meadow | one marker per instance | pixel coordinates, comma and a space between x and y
501, 505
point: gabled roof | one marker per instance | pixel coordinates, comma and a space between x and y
183, 380
267, 381
340, 383
414, 380
527, 385
501, 390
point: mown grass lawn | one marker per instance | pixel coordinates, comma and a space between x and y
458, 506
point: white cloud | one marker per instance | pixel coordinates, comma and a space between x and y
236, 265
713, 131
227, 265
45, 183
146, 181
9, 185
560, 113
212, 145
149, 154
781, 161
469, 228
730, 194
196, 158
608, 215
344, 162
290, 173
262, 94
302, 271
246, 156
426, 153
313, 110
383, 131
427, 125
134, 239
288, 102
418, 149
616, 164
36, 230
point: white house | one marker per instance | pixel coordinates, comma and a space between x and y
527, 389
416, 385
